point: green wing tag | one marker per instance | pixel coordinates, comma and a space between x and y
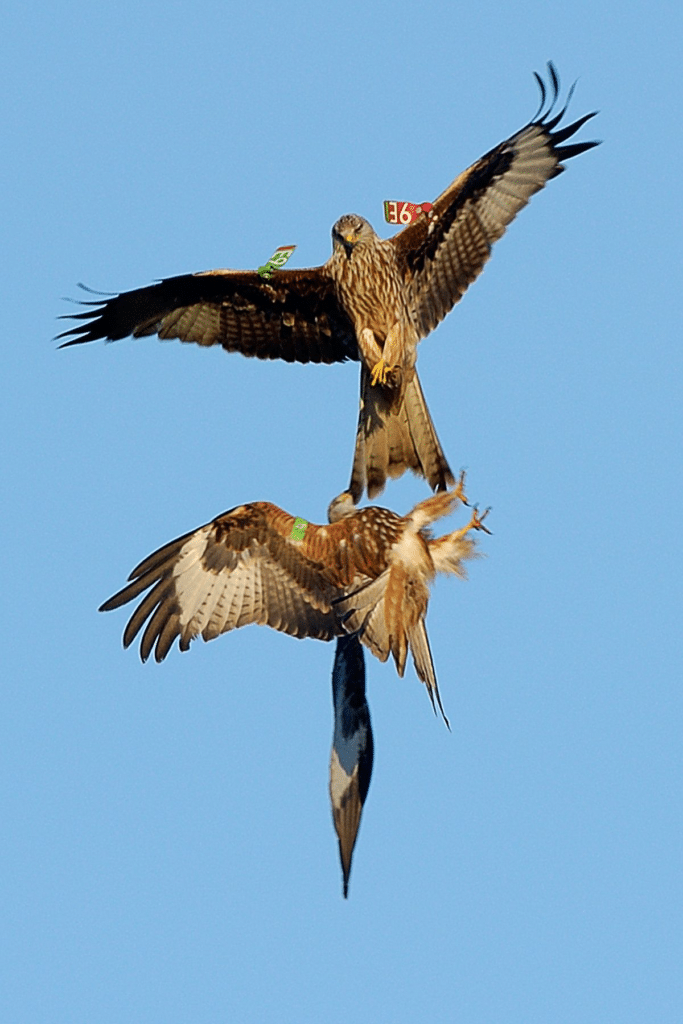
299, 529
277, 260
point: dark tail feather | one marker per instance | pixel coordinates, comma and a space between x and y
352, 747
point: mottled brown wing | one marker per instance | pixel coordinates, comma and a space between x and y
241, 568
294, 315
441, 253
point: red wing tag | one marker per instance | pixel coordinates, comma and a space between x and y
403, 213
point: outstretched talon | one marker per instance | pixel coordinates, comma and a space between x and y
459, 491
380, 373
476, 523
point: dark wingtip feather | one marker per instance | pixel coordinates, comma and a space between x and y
74, 341
93, 291
84, 332
117, 600
541, 86
90, 315
567, 152
542, 115
543, 119
546, 95
571, 129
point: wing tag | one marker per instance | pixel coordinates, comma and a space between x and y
403, 213
299, 529
277, 260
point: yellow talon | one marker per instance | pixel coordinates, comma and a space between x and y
379, 373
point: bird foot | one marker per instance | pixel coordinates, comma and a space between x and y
476, 523
381, 373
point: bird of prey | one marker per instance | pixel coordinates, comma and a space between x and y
367, 572
352, 747
372, 301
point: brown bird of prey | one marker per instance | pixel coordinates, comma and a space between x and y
373, 300
367, 572
352, 747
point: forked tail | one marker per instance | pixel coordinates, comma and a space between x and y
395, 433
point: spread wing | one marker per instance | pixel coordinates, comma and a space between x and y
441, 253
352, 747
243, 567
294, 315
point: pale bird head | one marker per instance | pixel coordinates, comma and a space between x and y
349, 231
340, 507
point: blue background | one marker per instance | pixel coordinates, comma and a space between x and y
167, 847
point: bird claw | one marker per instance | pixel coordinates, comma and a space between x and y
477, 521
459, 490
380, 374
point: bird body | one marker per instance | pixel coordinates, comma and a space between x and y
365, 577
372, 301
367, 573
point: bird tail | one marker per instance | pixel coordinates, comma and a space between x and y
352, 747
424, 666
395, 433
371, 613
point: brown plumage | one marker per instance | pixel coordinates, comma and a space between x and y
367, 573
372, 301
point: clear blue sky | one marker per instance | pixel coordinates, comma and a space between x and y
168, 855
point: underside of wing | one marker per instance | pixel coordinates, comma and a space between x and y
361, 612
231, 572
367, 612
442, 252
293, 316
